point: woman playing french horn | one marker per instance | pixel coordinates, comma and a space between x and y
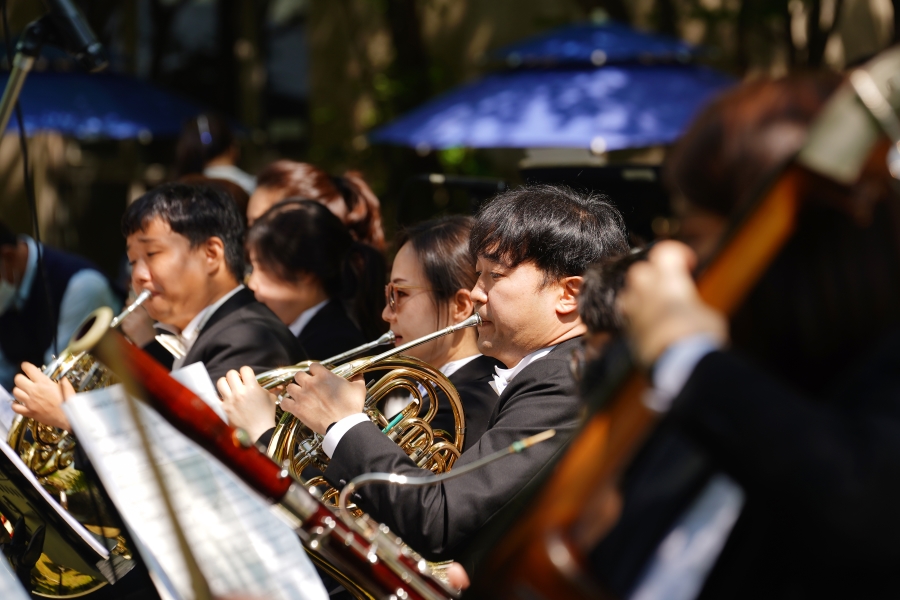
428, 290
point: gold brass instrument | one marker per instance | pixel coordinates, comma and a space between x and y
283, 375
297, 447
49, 453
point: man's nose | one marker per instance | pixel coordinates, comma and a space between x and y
478, 295
140, 275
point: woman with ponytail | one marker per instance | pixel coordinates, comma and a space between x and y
309, 271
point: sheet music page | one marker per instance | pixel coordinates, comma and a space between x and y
83, 533
240, 545
196, 378
10, 588
6, 412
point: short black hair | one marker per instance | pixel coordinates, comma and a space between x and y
7, 237
558, 229
295, 237
198, 212
602, 283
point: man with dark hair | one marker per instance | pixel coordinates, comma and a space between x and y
530, 248
36, 307
185, 245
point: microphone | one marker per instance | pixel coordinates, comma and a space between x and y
76, 36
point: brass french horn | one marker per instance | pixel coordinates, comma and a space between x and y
50, 453
296, 446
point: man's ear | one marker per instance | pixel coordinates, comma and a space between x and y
569, 289
214, 252
461, 306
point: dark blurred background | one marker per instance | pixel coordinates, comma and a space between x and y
307, 80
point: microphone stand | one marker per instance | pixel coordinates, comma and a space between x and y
63, 26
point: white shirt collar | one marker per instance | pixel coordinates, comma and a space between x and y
504, 376
189, 334
455, 365
305, 317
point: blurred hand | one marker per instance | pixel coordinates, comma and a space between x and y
457, 576
661, 305
138, 327
40, 398
247, 405
320, 398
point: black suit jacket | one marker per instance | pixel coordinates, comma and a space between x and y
821, 478
441, 520
330, 332
244, 332
473, 382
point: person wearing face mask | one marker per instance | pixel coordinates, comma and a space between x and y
37, 307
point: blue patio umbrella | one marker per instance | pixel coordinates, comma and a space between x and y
595, 44
100, 106
610, 108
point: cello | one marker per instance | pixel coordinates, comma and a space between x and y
544, 554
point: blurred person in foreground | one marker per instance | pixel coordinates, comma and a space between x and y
775, 469
348, 196
530, 247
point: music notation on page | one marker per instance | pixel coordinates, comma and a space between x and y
240, 544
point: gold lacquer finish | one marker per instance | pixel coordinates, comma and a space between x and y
299, 448
49, 453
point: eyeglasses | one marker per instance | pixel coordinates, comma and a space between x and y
390, 293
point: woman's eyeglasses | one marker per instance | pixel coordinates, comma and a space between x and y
391, 289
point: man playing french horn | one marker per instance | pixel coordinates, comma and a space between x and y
531, 247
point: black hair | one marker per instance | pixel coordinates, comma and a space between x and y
296, 237
558, 229
203, 138
442, 248
7, 237
602, 283
197, 212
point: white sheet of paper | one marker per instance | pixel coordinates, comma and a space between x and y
10, 588
196, 378
6, 412
240, 545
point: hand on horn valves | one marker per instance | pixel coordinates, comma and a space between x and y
246, 403
40, 398
320, 398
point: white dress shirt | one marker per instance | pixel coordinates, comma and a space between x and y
234, 175
189, 334
504, 376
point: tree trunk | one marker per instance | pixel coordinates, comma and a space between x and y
667, 17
